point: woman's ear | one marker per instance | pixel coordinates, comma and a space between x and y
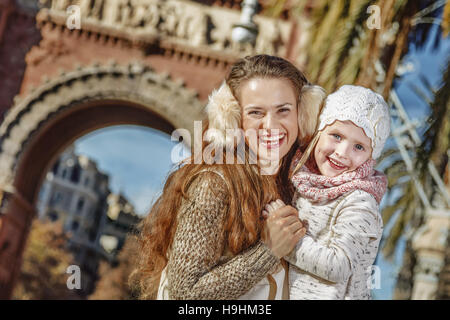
308, 152
312, 98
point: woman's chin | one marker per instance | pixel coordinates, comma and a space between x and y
269, 156
272, 153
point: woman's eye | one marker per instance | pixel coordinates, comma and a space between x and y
284, 110
255, 112
359, 147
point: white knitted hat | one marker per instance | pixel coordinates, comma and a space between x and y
364, 108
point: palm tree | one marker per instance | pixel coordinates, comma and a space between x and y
410, 210
345, 47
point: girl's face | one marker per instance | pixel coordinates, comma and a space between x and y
342, 147
269, 109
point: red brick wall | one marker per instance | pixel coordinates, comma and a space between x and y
19, 35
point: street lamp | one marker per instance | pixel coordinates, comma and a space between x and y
246, 30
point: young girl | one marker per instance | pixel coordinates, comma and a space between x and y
338, 193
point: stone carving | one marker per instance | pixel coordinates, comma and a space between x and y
182, 22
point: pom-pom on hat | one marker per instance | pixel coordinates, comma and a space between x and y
364, 108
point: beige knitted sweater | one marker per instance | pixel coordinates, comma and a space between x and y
200, 266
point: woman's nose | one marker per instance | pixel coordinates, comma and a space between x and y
270, 122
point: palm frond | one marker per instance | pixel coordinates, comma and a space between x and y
358, 18
394, 179
352, 65
446, 19
407, 205
322, 38
436, 141
419, 92
387, 154
275, 8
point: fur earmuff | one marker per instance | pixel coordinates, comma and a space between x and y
224, 113
312, 98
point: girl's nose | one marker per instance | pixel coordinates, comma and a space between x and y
342, 150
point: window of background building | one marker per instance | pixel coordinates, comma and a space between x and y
53, 216
86, 182
76, 171
75, 225
55, 167
57, 198
80, 205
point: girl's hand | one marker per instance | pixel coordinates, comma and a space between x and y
283, 229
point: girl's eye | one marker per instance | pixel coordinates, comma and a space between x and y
284, 110
359, 147
255, 112
336, 136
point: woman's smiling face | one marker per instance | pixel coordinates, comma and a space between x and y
269, 107
342, 147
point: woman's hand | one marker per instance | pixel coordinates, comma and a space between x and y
274, 205
283, 229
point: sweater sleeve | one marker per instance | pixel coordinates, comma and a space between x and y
195, 270
357, 224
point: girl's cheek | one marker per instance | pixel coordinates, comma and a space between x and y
330, 144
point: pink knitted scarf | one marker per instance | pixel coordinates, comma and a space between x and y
312, 185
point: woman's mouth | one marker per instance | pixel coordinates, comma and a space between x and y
335, 164
272, 141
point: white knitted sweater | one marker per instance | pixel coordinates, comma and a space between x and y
334, 259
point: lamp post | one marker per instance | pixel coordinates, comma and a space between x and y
246, 30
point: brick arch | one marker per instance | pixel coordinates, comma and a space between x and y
38, 127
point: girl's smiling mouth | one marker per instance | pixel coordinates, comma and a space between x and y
335, 164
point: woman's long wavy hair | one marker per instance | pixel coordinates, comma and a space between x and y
248, 190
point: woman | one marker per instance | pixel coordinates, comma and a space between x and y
203, 237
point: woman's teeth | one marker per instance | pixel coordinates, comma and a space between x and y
272, 140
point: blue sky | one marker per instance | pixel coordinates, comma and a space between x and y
430, 64
138, 159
